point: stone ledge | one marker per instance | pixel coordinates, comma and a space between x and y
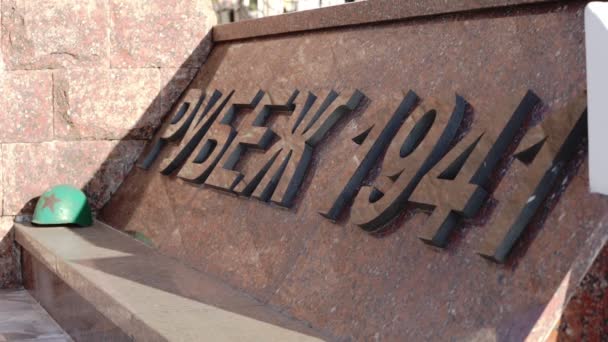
364, 12
151, 297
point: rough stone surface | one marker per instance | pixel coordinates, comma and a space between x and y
26, 106
106, 103
160, 33
586, 315
10, 273
97, 166
54, 34
392, 287
173, 83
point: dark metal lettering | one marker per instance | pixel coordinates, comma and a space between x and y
195, 133
457, 186
420, 143
428, 161
287, 160
182, 115
543, 154
220, 136
225, 176
372, 141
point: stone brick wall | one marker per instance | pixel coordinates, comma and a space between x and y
84, 83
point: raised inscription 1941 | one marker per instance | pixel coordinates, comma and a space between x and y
432, 156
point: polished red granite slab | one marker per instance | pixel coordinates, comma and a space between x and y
358, 286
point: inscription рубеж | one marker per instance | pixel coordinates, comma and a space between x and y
430, 156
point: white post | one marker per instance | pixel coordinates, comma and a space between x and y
596, 40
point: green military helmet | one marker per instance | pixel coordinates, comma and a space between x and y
63, 204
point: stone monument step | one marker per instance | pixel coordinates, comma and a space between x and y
101, 284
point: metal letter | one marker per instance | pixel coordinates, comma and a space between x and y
543, 154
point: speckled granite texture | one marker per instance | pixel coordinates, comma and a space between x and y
586, 316
343, 281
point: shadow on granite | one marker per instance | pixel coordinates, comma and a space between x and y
111, 172
10, 275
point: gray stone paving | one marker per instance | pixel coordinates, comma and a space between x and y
23, 319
